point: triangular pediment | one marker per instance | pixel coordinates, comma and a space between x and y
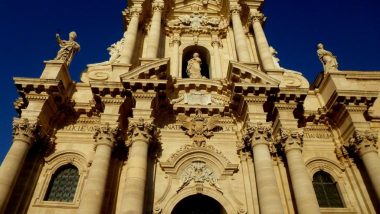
154, 70
202, 6
242, 73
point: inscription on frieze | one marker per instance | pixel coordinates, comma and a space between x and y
317, 135
79, 128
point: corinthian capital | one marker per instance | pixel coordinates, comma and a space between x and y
258, 133
363, 142
106, 135
290, 139
24, 130
142, 131
135, 10
158, 5
257, 16
235, 9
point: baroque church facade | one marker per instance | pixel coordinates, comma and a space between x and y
193, 114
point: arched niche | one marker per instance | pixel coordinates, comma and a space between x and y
204, 54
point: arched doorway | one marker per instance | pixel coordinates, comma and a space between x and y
198, 204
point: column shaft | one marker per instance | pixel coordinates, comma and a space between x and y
10, 169
218, 68
93, 194
263, 46
133, 197
130, 40
240, 38
269, 195
154, 37
306, 199
371, 162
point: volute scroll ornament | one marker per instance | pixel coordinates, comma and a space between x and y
257, 16
198, 127
363, 142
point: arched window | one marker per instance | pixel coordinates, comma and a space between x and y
63, 184
326, 190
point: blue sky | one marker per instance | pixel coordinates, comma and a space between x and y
350, 29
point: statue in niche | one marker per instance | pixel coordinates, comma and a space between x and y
193, 69
68, 48
327, 58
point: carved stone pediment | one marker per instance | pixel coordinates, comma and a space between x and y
154, 70
244, 75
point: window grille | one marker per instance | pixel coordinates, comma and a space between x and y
326, 190
63, 184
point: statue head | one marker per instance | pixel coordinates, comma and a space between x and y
320, 46
72, 35
195, 55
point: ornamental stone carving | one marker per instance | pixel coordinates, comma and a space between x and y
158, 5
258, 133
289, 139
200, 173
68, 48
363, 142
257, 16
195, 21
143, 131
328, 60
198, 127
24, 130
106, 135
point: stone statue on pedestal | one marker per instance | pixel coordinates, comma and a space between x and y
68, 48
193, 69
327, 58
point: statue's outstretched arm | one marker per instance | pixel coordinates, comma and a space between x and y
59, 41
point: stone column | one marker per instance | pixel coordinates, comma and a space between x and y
175, 42
216, 43
93, 193
258, 137
23, 137
155, 29
131, 34
140, 135
240, 37
291, 142
261, 40
364, 144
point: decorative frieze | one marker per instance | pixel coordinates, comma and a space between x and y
198, 127
363, 142
289, 139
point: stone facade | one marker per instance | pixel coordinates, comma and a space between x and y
157, 125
